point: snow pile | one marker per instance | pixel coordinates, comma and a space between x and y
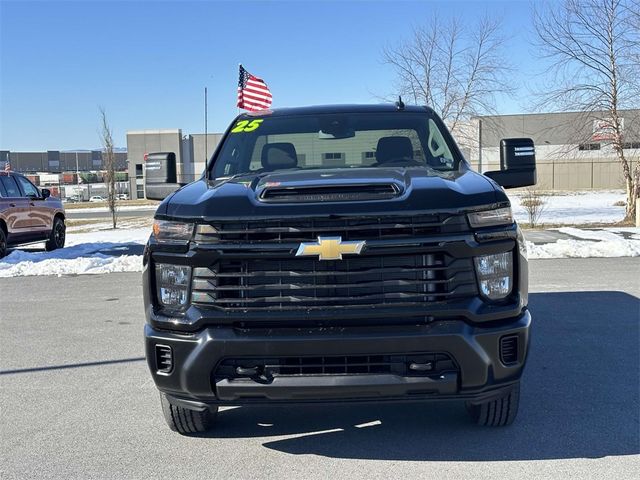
589, 243
124, 208
574, 208
85, 253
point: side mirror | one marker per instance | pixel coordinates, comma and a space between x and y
45, 192
517, 163
160, 175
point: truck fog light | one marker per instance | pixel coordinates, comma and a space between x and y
495, 275
172, 283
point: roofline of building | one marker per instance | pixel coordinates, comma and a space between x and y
154, 131
537, 114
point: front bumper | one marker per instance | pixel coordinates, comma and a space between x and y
479, 374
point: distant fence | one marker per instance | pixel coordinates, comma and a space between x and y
596, 174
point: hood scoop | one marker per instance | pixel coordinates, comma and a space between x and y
329, 193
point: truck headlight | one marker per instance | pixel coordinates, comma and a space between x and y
495, 275
491, 218
165, 231
172, 285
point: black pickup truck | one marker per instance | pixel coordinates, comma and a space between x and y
337, 254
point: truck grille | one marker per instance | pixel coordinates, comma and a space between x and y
417, 364
304, 284
349, 228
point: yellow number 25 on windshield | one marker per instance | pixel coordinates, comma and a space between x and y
246, 126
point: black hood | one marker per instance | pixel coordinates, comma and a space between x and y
418, 190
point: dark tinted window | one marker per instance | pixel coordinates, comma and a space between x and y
10, 186
397, 139
28, 188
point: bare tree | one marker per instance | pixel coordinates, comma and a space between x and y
455, 70
592, 46
533, 202
109, 160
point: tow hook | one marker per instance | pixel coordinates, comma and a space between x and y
257, 374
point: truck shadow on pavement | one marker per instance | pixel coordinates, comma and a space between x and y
580, 398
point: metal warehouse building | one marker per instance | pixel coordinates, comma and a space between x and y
54, 161
573, 150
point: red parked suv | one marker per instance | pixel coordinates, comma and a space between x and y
28, 214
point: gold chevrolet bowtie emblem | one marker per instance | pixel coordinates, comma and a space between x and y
330, 248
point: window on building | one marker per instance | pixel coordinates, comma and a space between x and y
589, 146
333, 159
139, 191
139, 170
368, 158
630, 145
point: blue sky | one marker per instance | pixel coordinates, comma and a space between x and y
148, 62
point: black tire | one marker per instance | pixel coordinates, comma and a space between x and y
3, 242
187, 421
499, 412
57, 236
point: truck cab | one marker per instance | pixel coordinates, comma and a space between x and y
337, 253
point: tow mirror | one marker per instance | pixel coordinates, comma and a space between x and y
517, 163
45, 192
160, 175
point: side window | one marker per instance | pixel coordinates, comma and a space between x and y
10, 186
28, 188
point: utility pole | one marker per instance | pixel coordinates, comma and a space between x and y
206, 150
78, 192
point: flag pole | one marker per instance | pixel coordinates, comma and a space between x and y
239, 70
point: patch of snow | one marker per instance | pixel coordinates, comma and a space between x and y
124, 208
574, 208
597, 235
84, 253
98, 263
120, 235
588, 243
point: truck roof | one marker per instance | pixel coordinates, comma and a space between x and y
347, 108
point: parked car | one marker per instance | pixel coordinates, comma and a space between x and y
97, 199
123, 196
72, 199
337, 253
28, 214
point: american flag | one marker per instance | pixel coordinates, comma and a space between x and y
253, 93
7, 166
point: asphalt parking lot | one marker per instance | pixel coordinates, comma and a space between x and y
76, 400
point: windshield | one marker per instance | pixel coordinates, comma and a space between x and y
349, 140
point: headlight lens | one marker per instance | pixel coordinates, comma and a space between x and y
495, 275
491, 218
172, 284
165, 231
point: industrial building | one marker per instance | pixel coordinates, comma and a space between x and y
191, 154
573, 149
54, 161
76, 174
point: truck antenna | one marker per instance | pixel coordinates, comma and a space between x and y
400, 103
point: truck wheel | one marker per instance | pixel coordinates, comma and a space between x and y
186, 421
496, 413
56, 239
3, 243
